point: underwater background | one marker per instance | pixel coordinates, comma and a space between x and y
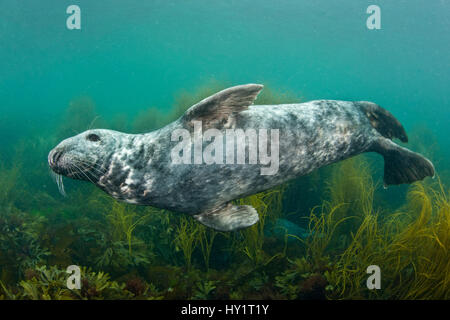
135, 66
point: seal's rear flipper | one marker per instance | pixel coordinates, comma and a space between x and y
229, 217
383, 121
402, 165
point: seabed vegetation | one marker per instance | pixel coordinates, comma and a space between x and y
133, 252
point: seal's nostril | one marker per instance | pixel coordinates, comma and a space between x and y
50, 158
55, 157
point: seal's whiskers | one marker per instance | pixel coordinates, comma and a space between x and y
92, 166
59, 182
82, 172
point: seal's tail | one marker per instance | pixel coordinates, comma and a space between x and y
402, 165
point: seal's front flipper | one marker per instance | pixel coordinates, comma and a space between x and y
220, 109
402, 165
229, 217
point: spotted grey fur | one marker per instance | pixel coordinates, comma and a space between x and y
137, 168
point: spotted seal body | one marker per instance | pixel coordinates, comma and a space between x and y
139, 168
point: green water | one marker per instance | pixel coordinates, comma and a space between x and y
129, 56
132, 55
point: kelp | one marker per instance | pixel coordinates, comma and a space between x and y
351, 191
268, 204
186, 239
410, 247
149, 119
124, 221
20, 246
206, 240
44, 283
80, 115
322, 228
8, 178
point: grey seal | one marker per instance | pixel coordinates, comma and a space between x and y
139, 168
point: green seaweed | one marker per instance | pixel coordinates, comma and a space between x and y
268, 204
206, 240
187, 238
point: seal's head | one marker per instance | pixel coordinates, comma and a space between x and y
85, 156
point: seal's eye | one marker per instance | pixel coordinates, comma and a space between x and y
93, 137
